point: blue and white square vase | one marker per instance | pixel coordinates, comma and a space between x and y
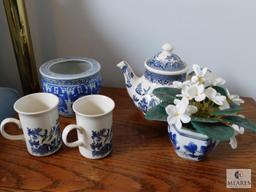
69, 79
189, 144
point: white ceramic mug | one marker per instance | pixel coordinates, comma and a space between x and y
93, 125
39, 121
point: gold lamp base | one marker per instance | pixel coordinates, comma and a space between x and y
22, 44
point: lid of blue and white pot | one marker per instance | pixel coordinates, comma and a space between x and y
69, 68
166, 62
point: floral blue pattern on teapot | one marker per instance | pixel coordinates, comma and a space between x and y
161, 70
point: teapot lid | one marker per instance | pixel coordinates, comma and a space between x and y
166, 63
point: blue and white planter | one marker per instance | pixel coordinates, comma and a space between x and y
70, 79
189, 144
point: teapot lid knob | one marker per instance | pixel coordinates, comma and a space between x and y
166, 52
167, 47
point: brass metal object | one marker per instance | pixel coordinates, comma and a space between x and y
22, 44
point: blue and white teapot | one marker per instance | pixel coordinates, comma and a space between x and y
161, 70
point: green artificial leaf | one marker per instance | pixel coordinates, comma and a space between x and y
166, 98
221, 90
205, 120
156, 113
240, 121
233, 105
165, 104
166, 93
216, 131
232, 110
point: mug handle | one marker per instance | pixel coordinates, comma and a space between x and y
7, 135
65, 133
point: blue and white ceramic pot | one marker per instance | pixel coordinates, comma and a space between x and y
189, 144
69, 79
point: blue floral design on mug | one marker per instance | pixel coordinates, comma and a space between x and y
102, 142
44, 141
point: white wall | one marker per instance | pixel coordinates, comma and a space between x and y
214, 33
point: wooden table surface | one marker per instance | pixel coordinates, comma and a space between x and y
142, 159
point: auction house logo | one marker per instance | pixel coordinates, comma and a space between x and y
238, 178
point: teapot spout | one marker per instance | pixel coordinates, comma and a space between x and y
129, 75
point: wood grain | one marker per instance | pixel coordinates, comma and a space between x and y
142, 159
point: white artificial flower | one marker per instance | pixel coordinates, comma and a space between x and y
233, 142
238, 129
200, 95
199, 76
179, 112
218, 81
225, 105
179, 84
194, 91
191, 109
216, 97
240, 115
211, 79
177, 101
234, 98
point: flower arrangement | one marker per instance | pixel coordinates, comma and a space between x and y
201, 104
